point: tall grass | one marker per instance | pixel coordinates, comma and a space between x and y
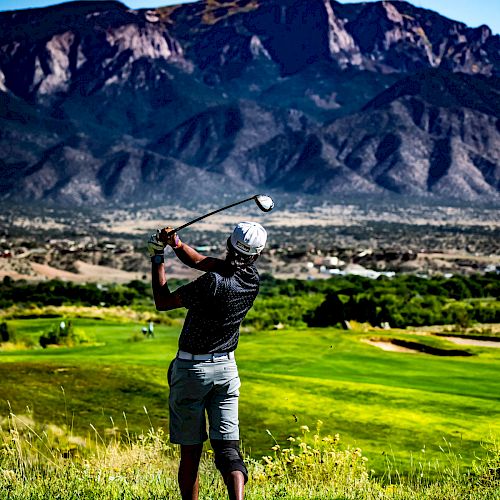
112, 313
49, 462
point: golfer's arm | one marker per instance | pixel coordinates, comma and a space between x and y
192, 258
164, 299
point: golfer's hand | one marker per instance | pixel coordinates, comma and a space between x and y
172, 240
155, 245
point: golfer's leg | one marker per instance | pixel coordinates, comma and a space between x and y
222, 411
188, 470
187, 421
235, 482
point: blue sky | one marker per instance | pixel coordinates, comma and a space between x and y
471, 12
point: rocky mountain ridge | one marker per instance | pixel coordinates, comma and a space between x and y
103, 103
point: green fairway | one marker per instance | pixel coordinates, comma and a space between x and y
390, 404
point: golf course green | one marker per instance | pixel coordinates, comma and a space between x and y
395, 406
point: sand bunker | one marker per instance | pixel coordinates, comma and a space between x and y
398, 345
389, 346
474, 342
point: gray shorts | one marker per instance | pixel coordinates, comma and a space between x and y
197, 387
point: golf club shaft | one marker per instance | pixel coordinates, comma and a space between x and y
209, 214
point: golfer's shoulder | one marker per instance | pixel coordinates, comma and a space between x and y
253, 272
206, 281
248, 276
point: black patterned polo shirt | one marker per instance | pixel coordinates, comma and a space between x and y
217, 304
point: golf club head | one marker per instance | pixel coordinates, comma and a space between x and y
264, 202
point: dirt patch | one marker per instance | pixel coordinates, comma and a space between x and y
86, 273
92, 272
52, 272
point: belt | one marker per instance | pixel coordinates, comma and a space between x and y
214, 356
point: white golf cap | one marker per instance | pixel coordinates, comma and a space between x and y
249, 238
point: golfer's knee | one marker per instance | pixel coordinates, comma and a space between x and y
191, 454
228, 458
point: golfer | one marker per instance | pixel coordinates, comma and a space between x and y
203, 377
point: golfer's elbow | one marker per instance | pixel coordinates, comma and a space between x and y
160, 301
207, 264
159, 306
165, 301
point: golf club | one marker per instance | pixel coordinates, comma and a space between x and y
264, 202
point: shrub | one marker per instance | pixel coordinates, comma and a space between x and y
315, 458
136, 337
64, 334
7, 333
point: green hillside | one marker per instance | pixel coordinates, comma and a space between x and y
394, 406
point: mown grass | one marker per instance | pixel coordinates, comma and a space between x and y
391, 405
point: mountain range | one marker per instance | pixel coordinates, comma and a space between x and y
100, 103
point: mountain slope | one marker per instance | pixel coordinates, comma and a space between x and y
100, 103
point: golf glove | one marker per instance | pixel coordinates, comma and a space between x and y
173, 240
155, 245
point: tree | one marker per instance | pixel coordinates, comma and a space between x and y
329, 313
4, 332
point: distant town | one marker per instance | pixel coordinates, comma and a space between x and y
306, 243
